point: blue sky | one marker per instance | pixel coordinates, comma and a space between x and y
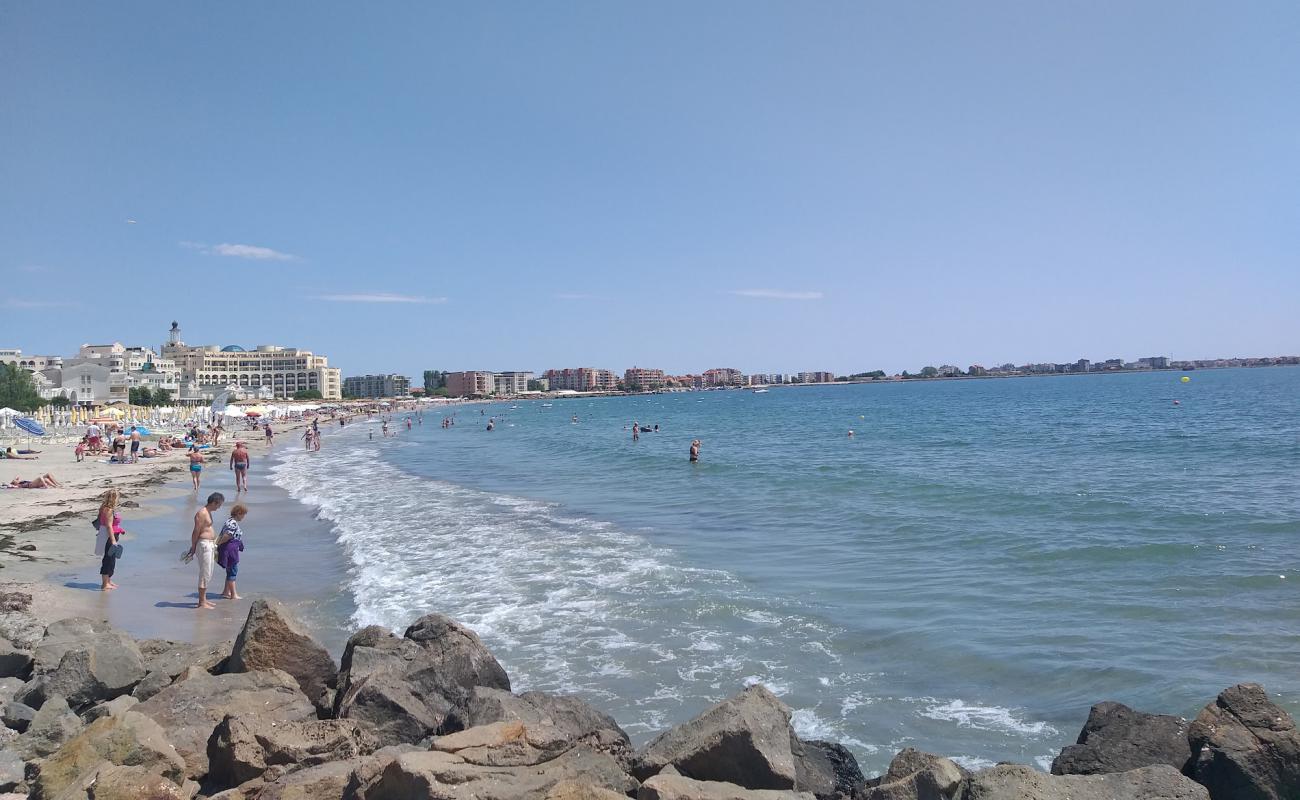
770, 186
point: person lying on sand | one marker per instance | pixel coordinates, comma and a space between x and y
26, 455
46, 481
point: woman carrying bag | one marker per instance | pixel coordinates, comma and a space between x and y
108, 527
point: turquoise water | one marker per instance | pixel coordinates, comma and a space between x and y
981, 562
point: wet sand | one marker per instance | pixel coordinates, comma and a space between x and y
288, 554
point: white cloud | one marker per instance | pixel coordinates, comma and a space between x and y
378, 297
250, 251
777, 294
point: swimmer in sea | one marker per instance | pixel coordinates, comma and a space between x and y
695, 451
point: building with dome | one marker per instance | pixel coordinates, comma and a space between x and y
267, 368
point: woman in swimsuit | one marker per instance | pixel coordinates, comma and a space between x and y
196, 465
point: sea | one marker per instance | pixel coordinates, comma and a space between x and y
980, 562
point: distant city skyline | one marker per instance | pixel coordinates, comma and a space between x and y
348, 370
779, 188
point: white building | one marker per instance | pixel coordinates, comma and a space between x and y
282, 370
511, 382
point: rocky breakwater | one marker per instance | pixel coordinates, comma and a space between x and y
91, 714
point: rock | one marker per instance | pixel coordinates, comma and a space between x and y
242, 749
112, 708
116, 782
452, 656
272, 638
1246, 747
369, 650
164, 660
129, 739
914, 775
827, 770
86, 662
335, 780
447, 776
50, 727
744, 740
677, 787
505, 744
8, 688
192, 707
1014, 782
578, 721
17, 715
12, 770
1116, 738
17, 623
577, 790
14, 662
384, 702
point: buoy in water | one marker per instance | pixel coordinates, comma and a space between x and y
1186, 379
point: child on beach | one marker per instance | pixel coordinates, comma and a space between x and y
230, 543
108, 532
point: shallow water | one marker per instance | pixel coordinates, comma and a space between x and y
967, 574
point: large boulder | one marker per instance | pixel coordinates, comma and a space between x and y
826, 769
84, 662
191, 708
272, 638
243, 748
115, 782
385, 703
1116, 738
447, 776
14, 661
130, 739
678, 787
17, 623
12, 771
164, 660
579, 722
50, 727
1246, 747
744, 740
17, 715
577, 790
452, 656
505, 744
914, 775
407, 687
1015, 782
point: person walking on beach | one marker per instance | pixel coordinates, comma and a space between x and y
240, 460
203, 545
196, 465
108, 530
135, 444
695, 450
230, 543
315, 441
269, 434
306, 439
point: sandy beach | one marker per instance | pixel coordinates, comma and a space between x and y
46, 541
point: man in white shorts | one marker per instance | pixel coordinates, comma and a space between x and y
203, 545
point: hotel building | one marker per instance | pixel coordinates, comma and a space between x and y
377, 386
279, 371
641, 379
470, 384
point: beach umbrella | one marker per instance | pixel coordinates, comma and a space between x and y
30, 425
9, 412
